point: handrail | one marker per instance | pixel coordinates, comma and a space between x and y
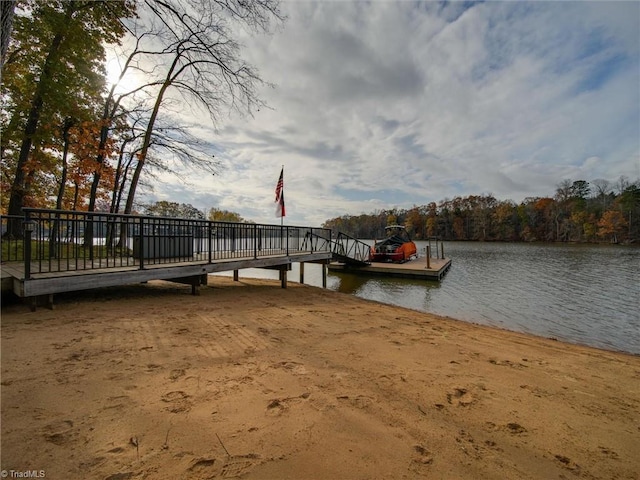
63, 240
351, 249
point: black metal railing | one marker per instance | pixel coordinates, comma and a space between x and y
12, 246
57, 241
351, 249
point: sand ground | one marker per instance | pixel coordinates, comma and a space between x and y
252, 381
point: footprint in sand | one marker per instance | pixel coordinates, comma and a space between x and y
358, 401
176, 374
178, 401
202, 464
568, 463
294, 367
460, 397
278, 406
60, 432
421, 460
238, 465
233, 466
515, 428
422, 455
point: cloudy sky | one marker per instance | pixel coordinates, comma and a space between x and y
395, 103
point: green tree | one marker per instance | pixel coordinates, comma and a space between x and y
54, 71
629, 202
173, 209
218, 215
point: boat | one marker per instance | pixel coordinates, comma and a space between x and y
397, 247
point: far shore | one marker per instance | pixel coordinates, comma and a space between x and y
248, 380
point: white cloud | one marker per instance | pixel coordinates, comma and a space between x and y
385, 104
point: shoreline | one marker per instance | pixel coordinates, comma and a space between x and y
254, 381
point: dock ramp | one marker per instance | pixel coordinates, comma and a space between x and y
346, 249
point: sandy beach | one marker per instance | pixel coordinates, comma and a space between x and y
248, 380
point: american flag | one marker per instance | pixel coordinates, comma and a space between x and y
280, 195
280, 207
280, 184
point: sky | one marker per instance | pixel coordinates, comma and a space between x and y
390, 104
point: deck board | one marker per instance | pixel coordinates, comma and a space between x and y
412, 269
48, 282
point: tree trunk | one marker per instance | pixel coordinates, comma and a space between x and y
18, 187
53, 236
147, 138
7, 7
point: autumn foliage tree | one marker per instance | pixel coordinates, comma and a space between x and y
611, 225
574, 214
54, 70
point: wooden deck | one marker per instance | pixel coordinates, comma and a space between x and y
192, 273
412, 269
45, 251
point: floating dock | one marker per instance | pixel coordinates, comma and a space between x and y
417, 268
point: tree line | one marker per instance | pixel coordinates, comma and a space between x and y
600, 211
164, 208
74, 141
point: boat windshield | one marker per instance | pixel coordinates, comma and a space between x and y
397, 231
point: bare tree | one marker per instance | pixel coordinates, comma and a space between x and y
112, 108
602, 189
204, 65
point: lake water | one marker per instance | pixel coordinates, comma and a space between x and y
586, 294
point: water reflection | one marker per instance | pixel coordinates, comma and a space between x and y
587, 294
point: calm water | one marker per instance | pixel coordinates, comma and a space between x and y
588, 294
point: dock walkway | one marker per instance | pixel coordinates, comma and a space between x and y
64, 251
53, 251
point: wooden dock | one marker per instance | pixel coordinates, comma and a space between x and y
66, 251
192, 273
47, 252
412, 269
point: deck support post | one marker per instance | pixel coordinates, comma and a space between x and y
324, 275
235, 275
40, 300
194, 280
283, 277
301, 272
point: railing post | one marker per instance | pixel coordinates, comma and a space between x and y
428, 256
141, 243
287, 233
210, 235
255, 241
27, 227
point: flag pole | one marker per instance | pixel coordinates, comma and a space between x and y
282, 216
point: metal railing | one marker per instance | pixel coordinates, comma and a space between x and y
12, 247
351, 249
61, 241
